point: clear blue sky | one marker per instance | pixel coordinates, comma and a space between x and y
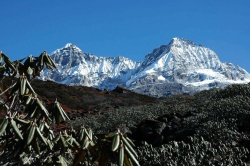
131, 28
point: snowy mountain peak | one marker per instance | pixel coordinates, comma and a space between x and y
177, 46
181, 41
68, 45
177, 67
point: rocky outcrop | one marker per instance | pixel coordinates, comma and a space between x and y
163, 129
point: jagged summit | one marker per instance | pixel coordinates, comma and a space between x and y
68, 45
178, 67
176, 42
180, 53
181, 41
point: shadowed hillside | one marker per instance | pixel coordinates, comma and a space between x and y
88, 99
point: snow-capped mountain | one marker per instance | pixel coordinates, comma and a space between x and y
77, 67
178, 67
182, 66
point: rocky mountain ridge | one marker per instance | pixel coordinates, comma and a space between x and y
178, 67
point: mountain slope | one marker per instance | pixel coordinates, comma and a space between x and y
178, 67
182, 66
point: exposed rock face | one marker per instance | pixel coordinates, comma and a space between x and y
178, 67
121, 89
